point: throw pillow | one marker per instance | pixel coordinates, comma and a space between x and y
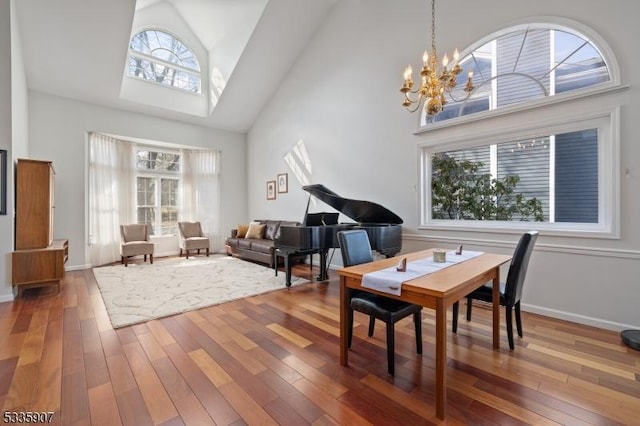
242, 231
256, 230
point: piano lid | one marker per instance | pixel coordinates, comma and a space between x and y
358, 210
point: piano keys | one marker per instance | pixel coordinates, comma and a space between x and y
319, 231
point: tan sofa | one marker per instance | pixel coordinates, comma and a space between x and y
257, 249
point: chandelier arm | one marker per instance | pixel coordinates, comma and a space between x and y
462, 99
418, 105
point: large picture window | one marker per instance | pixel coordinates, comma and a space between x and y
562, 179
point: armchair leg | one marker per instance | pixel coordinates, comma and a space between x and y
207, 251
145, 257
372, 324
187, 252
180, 255
151, 258
126, 261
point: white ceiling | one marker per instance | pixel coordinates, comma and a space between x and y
78, 48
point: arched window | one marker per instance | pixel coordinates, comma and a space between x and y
522, 64
155, 55
522, 158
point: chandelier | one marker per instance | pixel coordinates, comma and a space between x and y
434, 82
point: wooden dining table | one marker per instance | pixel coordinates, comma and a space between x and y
438, 291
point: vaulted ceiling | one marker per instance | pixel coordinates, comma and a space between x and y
78, 49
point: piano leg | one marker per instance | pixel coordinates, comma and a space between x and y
287, 268
324, 275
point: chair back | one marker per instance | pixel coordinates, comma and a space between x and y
134, 232
518, 267
190, 229
355, 247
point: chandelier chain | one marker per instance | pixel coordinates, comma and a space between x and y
433, 27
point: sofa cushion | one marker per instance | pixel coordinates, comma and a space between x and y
233, 242
244, 243
255, 231
262, 246
272, 229
242, 231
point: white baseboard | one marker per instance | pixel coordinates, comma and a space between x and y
6, 297
577, 318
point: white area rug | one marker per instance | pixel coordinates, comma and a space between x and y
141, 292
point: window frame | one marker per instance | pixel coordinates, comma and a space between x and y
607, 123
551, 23
158, 175
142, 55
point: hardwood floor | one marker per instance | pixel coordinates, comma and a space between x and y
274, 359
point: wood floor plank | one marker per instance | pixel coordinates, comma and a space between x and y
103, 406
48, 388
274, 359
244, 404
156, 398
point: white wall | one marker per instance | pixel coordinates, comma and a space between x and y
13, 127
58, 133
342, 99
6, 227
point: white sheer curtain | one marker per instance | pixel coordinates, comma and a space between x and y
201, 193
111, 195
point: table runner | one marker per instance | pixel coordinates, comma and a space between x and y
390, 280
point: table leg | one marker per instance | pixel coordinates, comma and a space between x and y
441, 358
496, 309
344, 306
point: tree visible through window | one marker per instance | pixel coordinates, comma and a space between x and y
552, 178
557, 173
158, 56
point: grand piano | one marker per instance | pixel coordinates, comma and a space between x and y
318, 233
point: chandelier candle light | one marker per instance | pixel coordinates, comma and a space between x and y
434, 82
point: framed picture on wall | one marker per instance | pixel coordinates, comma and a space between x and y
271, 190
283, 183
3, 181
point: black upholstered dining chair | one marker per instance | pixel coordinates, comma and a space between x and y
510, 290
356, 249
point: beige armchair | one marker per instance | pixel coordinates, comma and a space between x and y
192, 238
135, 242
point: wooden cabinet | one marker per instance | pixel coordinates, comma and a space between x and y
38, 260
39, 267
34, 204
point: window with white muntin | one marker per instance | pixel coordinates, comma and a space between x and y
159, 57
546, 172
157, 190
523, 64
